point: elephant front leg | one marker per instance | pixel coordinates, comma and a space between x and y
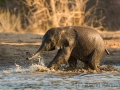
61, 57
72, 62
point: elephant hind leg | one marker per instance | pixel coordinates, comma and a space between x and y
72, 62
94, 59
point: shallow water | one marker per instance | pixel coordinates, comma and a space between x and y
17, 78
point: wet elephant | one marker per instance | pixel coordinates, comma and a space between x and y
73, 43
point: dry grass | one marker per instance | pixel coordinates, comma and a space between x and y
9, 22
44, 14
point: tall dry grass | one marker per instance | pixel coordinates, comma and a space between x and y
9, 22
54, 13
44, 14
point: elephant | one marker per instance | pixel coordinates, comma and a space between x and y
73, 43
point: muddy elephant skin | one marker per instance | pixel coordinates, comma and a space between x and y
73, 43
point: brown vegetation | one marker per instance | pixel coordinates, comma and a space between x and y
40, 15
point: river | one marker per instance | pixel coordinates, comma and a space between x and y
29, 78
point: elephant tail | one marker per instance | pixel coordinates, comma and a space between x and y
107, 51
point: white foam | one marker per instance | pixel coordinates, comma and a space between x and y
27, 78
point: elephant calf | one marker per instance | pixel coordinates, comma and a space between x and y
74, 43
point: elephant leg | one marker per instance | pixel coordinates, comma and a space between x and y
72, 62
94, 59
61, 57
85, 63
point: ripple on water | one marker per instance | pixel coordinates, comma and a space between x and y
29, 78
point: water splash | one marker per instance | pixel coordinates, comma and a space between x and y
36, 67
17, 69
41, 61
42, 68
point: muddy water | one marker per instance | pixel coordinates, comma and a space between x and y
37, 77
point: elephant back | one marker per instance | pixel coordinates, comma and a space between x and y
87, 41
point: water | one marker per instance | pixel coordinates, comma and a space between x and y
20, 78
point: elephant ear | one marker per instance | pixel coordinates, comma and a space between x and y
60, 32
62, 40
66, 36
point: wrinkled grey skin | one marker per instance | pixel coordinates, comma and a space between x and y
74, 43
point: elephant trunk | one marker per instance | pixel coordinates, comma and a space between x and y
40, 50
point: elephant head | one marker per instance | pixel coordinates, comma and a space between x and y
51, 40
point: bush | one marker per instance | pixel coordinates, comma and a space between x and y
40, 15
